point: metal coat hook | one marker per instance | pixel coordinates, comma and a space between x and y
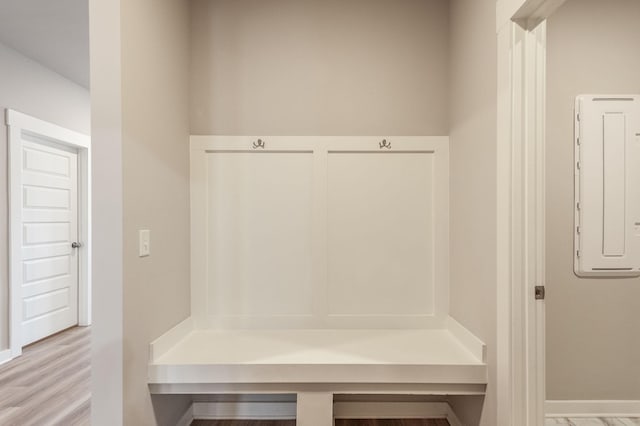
258, 144
385, 144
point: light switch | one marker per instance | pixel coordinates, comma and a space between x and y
144, 243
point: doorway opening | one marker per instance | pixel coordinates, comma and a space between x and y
50, 230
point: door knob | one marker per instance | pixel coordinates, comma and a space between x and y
75, 245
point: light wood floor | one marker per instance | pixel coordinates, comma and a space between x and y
50, 383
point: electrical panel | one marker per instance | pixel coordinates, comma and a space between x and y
607, 185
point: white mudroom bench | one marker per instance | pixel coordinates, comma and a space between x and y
318, 364
320, 267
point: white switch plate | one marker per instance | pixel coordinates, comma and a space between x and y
144, 243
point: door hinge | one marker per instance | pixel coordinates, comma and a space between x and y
540, 292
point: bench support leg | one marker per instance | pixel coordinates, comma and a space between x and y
314, 409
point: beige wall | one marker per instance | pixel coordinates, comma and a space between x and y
308, 67
140, 133
593, 340
155, 170
28, 87
473, 97
106, 151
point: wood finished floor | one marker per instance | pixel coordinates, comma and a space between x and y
389, 422
50, 383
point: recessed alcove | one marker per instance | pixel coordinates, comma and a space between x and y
320, 189
322, 263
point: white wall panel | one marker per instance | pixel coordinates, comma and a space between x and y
607, 196
260, 233
380, 233
313, 232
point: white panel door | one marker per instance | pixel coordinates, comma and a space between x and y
49, 227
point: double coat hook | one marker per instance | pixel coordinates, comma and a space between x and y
258, 144
385, 144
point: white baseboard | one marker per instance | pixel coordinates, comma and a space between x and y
187, 417
395, 410
5, 356
587, 408
341, 410
244, 410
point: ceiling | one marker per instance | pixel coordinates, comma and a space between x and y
54, 33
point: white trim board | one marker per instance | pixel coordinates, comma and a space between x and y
533, 12
527, 13
527, 222
5, 356
338, 388
520, 190
244, 410
19, 124
395, 410
592, 408
60, 134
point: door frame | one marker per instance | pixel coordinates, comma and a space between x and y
19, 123
521, 29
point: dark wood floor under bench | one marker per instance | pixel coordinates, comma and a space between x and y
368, 422
50, 383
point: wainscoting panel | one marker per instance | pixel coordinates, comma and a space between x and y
259, 244
317, 232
